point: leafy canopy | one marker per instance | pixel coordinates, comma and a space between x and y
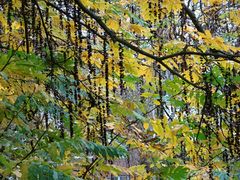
86, 85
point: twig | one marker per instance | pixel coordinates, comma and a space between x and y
32, 150
11, 56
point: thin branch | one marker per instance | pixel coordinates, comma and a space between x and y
115, 38
213, 52
193, 18
216, 55
90, 166
32, 150
16, 115
47, 37
24, 3
10, 57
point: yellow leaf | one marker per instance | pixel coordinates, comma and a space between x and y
113, 24
132, 66
148, 74
234, 16
65, 167
110, 169
139, 169
135, 28
157, 128
115, 49
16, 25
172, 5
146, 94
84, 56
187, 75
168, 132
145, 125
208, 34
87, 3
17, 4
128, 104
195, 77
156, 102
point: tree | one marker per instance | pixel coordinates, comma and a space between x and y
83, 83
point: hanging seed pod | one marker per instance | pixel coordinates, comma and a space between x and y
79, 34
93, 72
47, 15
104, 135
210, 172
37, 38
106, 111
76, 82
61, 124
68, 32
9, 21
40, 45
60, 15
105, 54
46, 120
9, 14
33, 24
150, 8
113, 70
191, 73
133, 12
76, 65
187, 110
121, 67
99, 92
155, 10
92, 69
183, 22
160, 92
102, 131
94, 80
155, 13
89, 50
94, 35
75, 27
25, 19
208, 93
71, 122
159, 15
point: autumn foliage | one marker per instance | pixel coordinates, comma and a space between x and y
84, 84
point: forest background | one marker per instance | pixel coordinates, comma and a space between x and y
98, 89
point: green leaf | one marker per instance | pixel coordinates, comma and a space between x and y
174, 173
42, 171
177, 103
118, 109
138, 116
103, 150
